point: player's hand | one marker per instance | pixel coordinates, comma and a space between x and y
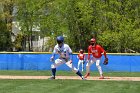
52, 59
70, 61
105, 61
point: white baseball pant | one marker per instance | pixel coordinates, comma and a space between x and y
59, 62
80, 62
93, 60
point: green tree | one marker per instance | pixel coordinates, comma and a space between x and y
6, 7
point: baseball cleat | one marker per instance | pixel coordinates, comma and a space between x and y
88, 74
83, 79
51, 78
102, 77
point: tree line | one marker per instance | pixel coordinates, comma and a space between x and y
114, 23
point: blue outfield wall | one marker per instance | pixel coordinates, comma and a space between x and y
35, 61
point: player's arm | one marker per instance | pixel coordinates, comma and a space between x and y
103, 52
106, 59
53, 54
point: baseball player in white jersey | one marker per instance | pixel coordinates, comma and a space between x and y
64, 52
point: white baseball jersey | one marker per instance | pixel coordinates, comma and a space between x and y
64, 57
64, 51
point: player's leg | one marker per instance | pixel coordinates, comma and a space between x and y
78, 66
54, 66
88, 67
82, 65
74, 69
99, 68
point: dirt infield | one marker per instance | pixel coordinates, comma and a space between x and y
71, 77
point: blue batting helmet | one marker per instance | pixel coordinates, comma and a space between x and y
60, 39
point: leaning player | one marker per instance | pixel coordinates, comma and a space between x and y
81, 57
64, 52
96, 51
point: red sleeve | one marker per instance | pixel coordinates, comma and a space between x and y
103, 51
105, 54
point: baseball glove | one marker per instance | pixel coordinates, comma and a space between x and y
105, 61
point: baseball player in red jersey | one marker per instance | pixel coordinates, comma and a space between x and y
81, 57
96, 51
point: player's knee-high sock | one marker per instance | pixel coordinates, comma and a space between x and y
53, 72
79, 73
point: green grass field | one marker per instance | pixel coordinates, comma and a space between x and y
65, 73
68, 86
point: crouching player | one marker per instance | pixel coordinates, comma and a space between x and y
64, 51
